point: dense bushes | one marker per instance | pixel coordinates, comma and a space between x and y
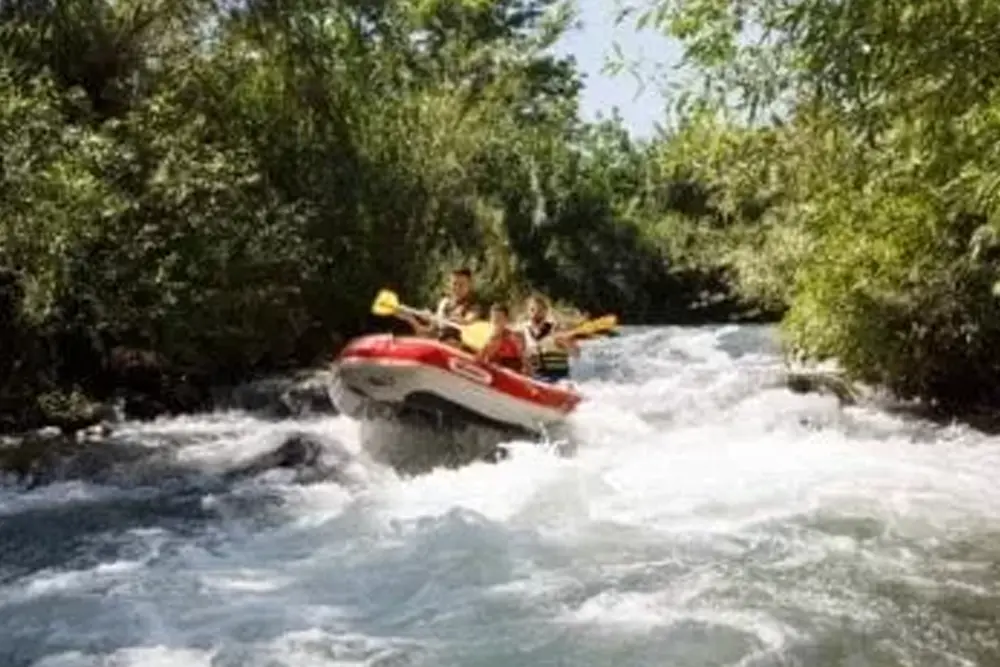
193, 191
880, 170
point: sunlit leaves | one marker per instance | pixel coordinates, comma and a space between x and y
226, 184
879, 172
52, 193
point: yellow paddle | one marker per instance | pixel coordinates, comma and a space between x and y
474, 335
600, 325
387, 304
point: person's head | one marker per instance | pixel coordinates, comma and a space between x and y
499, 315
460, 284
538, 308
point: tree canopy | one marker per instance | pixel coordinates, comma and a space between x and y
220, 188
224, 186
870, 129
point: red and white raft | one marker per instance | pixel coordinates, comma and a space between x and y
392, 372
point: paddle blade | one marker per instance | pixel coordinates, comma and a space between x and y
386, 304
477, 334
601, 325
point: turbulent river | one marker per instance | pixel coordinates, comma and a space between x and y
709, 517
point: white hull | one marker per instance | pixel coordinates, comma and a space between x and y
360, 384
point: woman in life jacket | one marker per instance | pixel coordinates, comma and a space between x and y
548, 352
505, 347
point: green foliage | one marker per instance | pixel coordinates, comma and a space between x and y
206, 190
877, 171
53, 197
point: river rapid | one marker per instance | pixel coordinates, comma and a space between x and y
709, 518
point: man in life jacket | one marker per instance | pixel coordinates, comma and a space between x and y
506, 346
548, 352
461, 305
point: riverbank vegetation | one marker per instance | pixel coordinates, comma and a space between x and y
191, 191
869, 132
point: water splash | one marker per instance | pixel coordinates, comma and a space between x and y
708, 518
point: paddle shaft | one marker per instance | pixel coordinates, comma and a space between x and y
426, 314
586, 328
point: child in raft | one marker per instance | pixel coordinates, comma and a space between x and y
506, 347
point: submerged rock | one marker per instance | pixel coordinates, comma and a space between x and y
49, 455
305, 393
311, 459
822, 383
72, 412
80, 443
414, 443
97, 456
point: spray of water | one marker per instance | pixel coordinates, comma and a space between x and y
709, 517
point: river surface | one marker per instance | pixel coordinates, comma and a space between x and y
708, 518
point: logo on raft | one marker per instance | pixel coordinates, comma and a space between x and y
470, 371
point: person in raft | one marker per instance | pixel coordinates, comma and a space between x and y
505, 347
461, 305
548, 352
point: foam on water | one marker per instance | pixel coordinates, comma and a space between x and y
709, 518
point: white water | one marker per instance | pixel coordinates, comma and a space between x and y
706, 520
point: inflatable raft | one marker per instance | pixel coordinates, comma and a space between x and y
392, 373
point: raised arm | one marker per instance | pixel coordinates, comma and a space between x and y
424, 326
419, 328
